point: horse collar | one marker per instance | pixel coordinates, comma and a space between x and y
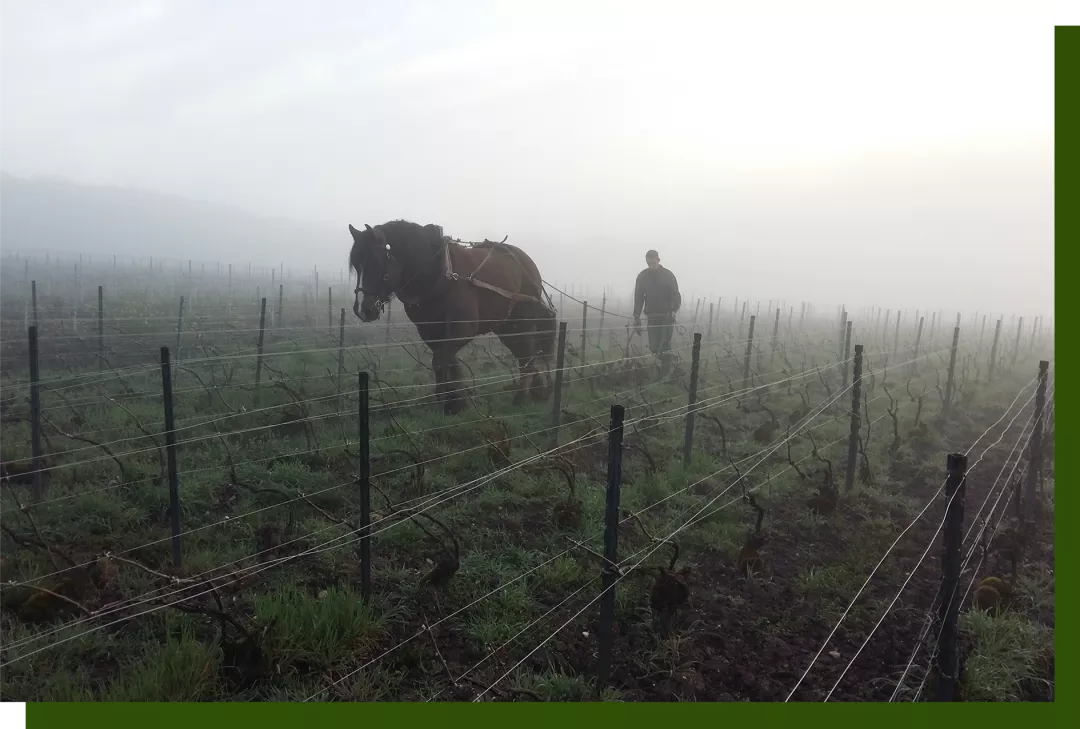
450, 274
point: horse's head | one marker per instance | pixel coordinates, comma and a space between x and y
378, 272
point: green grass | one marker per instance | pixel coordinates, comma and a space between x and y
1010, 658
290, 495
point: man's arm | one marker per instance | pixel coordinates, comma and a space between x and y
639, 296
676, 297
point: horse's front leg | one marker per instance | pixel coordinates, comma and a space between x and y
456, 391
439, 369
453, 392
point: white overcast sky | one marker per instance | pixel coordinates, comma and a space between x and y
834, 151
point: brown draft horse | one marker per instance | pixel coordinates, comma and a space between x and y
454, 293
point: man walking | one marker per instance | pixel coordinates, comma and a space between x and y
657, 292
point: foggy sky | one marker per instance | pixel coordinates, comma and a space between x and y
829, 152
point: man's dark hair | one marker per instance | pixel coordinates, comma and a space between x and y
651, 254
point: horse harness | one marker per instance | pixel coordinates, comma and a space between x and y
471, 278
450, 275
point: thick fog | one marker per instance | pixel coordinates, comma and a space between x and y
835, 152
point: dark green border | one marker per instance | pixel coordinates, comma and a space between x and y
200, 716
1066, 235
360, 716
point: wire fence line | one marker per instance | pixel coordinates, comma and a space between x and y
928, 622
420, 400
314, 550
403, 511
922, 558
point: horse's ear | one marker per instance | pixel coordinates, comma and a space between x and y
354, 231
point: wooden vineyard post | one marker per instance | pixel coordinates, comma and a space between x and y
1016, 347
847, 353
802, 315
556, 400
993, 351
600, 328
749, 351
982, 333
951, 378
843, 330
33, 301
896, 335
775, 333
179, 331
856, 403
341, 359
1035, 449
330, 310
584, 329
280, 306
611, 543
709, 334
101, 327
365, 489
170, 453
688, 438
259, 349
947, 661
35, 417
915, 353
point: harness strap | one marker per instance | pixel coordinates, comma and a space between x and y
471, 278
504, 292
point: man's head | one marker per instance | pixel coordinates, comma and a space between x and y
652, 259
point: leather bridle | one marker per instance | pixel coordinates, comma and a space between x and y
382, 298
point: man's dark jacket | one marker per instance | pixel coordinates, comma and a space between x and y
658, 292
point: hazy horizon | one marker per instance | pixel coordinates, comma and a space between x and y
899, 158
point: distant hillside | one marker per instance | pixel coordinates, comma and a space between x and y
50, 214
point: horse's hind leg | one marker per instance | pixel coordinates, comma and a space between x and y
511, 334
526, 373
533, 364
544, 345
541, 380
